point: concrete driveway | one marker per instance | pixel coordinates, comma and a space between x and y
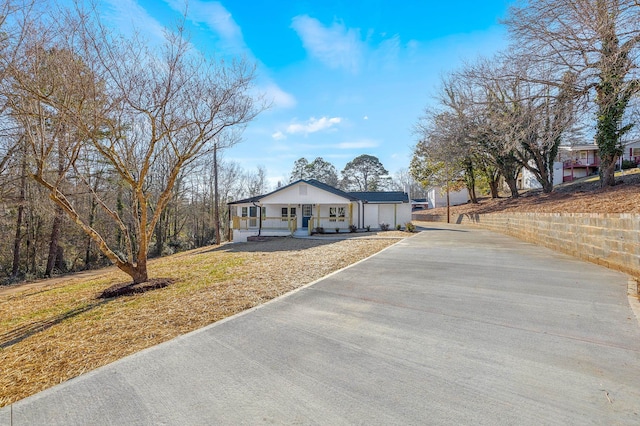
452, 326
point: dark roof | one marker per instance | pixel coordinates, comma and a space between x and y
247, 200
368, 196
311, 182
382, 197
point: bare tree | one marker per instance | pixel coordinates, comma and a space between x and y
598, 41
82, 89
256, 182
531, 105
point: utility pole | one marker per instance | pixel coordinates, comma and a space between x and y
216, 197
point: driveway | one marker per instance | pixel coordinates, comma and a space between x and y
455, 325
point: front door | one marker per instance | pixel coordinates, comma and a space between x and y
306, 215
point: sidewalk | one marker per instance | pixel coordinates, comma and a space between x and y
452, 326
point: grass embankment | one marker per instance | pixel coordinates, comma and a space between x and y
52, 333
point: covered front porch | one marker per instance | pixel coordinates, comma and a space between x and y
286, 219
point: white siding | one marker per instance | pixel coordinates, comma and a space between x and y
386, 214
303, 194
403, 213
437, 199
371, 215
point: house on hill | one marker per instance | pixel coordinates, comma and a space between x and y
306, 205
583, 160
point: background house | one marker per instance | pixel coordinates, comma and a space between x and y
578, 161
632, 152
437, 197
306, 205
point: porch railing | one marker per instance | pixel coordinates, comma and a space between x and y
268, 223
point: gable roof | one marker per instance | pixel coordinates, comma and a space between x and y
312, 182
366, 196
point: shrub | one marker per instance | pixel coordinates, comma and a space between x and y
320, 230
353, 228
398, 227
368, 227
629, 164
337, 230
384, 226
410, 227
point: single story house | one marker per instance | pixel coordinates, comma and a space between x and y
306, 205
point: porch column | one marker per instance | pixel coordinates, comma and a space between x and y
350, 214
395, 215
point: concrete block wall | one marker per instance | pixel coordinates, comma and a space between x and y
611, 240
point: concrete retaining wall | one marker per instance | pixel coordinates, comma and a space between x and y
611, 240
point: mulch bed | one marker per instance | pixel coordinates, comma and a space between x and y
125, 289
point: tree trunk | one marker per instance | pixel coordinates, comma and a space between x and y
607, 171
139, 273
15, 268
512, 183
53, 244
92, 214
494, 187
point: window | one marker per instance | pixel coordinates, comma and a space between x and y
336, 213
253, 214
306, 210
285, 215
635, 152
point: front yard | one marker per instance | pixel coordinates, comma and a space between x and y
61, 329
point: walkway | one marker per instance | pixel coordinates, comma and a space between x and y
452, 326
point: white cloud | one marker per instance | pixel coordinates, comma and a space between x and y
215, 16
366, 117
313, 125
277, 97
128, 15
278, 135
336, 46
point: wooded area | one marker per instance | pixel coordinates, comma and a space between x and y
111, 147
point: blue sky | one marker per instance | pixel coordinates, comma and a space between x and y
344, 78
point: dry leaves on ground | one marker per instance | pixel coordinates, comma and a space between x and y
579, 197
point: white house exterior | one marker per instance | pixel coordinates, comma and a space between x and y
306, 205
437, 197
529, 180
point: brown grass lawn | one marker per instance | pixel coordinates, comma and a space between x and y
60, 329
